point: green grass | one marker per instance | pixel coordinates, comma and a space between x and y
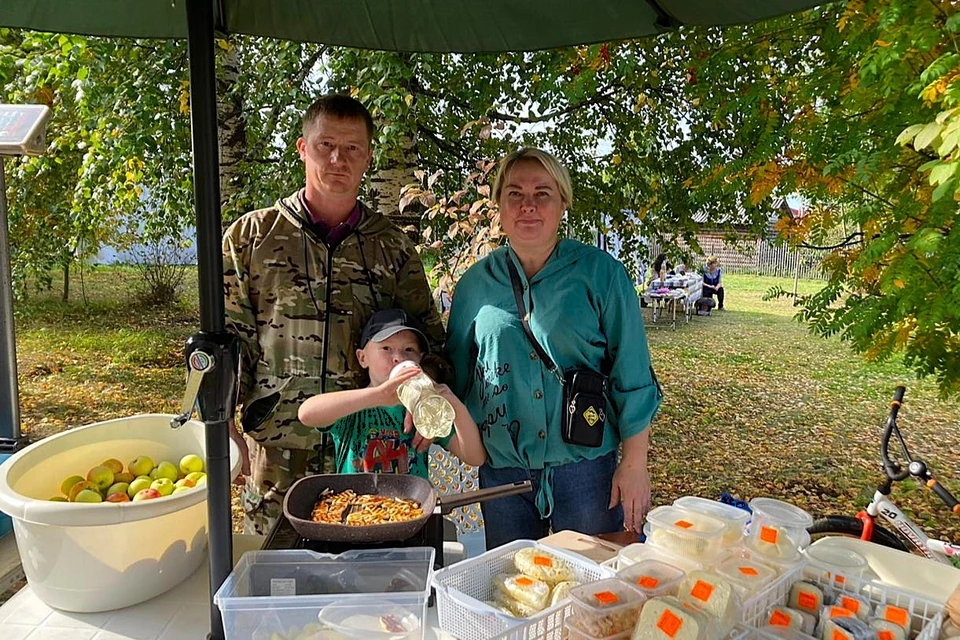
754, 405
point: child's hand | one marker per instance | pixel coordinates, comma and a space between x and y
387, 391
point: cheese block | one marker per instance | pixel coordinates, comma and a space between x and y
859, 605
809, 625
887, 630
784, 617
666, 618
847, 628
542, 565
897, 615
713, 594
806, 597
529, 591
562, 591
774, 541
949, 631
747, 576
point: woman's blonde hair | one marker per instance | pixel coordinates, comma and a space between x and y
711, 260
552, 166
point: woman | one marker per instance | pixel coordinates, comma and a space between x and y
583, 310
711, 281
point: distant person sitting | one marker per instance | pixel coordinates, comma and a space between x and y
712, 285
659, 269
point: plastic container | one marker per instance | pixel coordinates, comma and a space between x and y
747, 576
692, 535
777, 529
574, 633
653, 577
606, 608
99, 557
637, 552
433, 414
735, 519
834, 563
667, 618
275, 591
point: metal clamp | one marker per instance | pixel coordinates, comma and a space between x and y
200, 364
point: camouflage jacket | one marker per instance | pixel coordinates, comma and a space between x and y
295, 303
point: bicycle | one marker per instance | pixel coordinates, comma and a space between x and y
911, 537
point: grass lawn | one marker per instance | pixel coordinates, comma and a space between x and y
754, 404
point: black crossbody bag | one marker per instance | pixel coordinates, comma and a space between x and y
584, 390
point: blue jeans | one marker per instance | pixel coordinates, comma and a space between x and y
581, 494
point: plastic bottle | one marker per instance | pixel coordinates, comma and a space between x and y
432, 414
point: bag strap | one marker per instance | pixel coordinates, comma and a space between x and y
521, 308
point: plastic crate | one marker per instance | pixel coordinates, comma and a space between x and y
925, 614
462, 588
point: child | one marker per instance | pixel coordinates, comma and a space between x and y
367, 424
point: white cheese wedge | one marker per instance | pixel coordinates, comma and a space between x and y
711, 593
666, 618
887, 630
806, 597
530, 591
897, 615
542, 565
859, 605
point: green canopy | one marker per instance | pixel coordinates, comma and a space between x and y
402, 25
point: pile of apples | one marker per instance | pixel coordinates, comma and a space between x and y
108, 482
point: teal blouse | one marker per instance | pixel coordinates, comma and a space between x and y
585, 311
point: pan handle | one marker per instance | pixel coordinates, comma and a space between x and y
448, 503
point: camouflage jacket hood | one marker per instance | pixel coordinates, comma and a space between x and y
298, 307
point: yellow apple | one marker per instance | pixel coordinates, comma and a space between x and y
113, 464
117, 487
197, 477
163, 485
67, 484
102, 477
185, 482
119, 496
78, 487
181, 489
191, 463
139, 484
89, 495
123, 476
146, 494
166, 470
58, 499
140, 466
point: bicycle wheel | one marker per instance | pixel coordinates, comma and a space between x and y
848, 527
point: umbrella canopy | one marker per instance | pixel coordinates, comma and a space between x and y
400, 25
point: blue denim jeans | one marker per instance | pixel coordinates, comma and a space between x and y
581, 494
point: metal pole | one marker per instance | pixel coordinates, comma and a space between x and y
203, 118
9, 398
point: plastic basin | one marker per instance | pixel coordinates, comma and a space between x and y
99, 557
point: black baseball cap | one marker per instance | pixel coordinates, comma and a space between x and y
387, 322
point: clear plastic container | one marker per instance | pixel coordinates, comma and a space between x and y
834, 564
735, 519
747, 576
692, 535
637, 552
714, 595
653, 577
777, 529
777, 564
667, 618
432, 414
606, 608
572, 632
380, 621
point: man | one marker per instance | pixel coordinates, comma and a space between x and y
301, 278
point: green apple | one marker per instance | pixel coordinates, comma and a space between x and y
101, 476
58, 499
117, 487
141, 466
89, 495
163, 485
67, 484
146, 494
113, 464
167, 470
80, 486
191, 463
123, 476
120, 496
197, 477
180, 489
139, 484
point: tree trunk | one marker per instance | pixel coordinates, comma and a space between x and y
66, 282
232, 133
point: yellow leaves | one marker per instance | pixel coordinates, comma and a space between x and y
766, 180
882, 43
853, 8
224, 44
616, 159
935, 91
408, 99
185, 97
898, 283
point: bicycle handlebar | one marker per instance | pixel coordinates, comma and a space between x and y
945, 495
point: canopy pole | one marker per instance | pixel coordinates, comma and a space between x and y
10, 439
206, 185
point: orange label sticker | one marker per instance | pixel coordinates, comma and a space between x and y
840, 634
669, 623
896, 615
524, 581
702, 591
648, 582
749, 571
683, 524
606, 597
885, 635
840, 612
840, 579
542, 561
807, 600
779, 619
769, 534
850, 603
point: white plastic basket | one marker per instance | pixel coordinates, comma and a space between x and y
925, 614
462, 588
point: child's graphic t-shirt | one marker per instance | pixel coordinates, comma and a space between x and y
373, 441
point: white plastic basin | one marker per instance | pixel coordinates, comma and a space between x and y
98, 557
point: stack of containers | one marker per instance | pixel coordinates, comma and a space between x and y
777, 532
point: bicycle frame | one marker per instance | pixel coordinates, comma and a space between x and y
882, 506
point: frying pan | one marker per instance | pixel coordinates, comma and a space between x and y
303, 495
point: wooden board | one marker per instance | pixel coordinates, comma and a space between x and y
587, 546
10, 570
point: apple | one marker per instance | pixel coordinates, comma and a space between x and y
164, 486
119, 496
58, 499
139, 484
123, 476
197, 477
181, 489
141, 466
67, 484
89, 495
185, 482
167, 470
191, 463
113, 464
78, 487
100, 476
117, 487
146, 494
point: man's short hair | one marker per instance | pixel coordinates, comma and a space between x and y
338, 106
